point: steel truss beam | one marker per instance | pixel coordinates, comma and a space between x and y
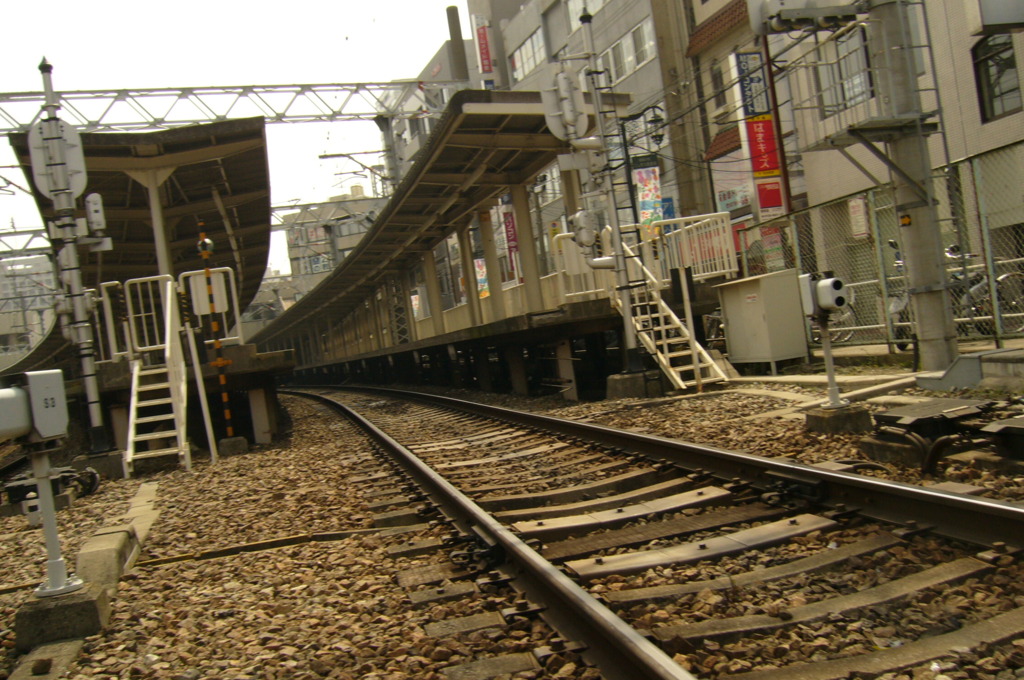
163, 108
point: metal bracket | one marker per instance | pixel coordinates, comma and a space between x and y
915, 186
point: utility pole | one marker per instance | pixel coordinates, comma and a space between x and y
58, 167
602, 184
895, 53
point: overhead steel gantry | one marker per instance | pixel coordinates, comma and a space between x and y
161, 108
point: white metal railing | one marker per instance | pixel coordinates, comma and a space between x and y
146, 306
154, 326
115, 330
704, 243
652, 290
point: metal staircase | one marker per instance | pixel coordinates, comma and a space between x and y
159, 394
663, 334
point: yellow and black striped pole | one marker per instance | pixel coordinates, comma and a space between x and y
205, 246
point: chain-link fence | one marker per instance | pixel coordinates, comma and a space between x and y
981, 217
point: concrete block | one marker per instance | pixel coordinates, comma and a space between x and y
79, 614
889, 451
102, 559
634, 385
55, 655
142, 521
232, 446
842, 419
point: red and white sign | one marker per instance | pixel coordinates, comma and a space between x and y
764, 156
483, 43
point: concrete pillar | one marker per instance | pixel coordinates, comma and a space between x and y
264, 419
469, 276
433, 293
119, 424
152, 179
482, 368
516, 370
566, 370
495, 291
527, 248
919, 228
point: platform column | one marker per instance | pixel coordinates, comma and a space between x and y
517, 370
495, 292
152, 180
527, 248
264, 419
469, 275
433, 293
482, 369
566, 370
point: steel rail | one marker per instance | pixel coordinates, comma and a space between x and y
614, 647
968, 518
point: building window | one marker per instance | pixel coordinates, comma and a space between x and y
718, 84
995, 74
528, 56
629, 53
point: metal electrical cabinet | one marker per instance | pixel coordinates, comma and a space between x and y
763, 318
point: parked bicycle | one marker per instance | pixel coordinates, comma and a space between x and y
970, 295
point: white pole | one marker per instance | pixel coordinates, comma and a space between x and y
64, 210
57, 580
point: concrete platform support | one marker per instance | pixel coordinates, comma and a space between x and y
264, 417
638, 385
517, 370
482, 369
566, 370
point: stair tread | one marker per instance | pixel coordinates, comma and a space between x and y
155, 453
155, 402
156, 418
162, 434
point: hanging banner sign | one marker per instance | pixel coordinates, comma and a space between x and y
483, 43
753, 86
647, 183
764, 155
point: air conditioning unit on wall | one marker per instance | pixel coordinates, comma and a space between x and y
985, 17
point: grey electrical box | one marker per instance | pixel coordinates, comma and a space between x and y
49, 403
763, 318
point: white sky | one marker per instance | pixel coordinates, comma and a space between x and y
112, 44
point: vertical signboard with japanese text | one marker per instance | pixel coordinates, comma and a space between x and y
482, 28
761, 141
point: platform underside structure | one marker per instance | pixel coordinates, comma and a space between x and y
370, 321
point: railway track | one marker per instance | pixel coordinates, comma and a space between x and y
656, 558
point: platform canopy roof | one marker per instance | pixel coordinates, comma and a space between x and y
485, 142
215, 172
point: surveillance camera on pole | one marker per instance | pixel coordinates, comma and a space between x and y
37, 414
821, 294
